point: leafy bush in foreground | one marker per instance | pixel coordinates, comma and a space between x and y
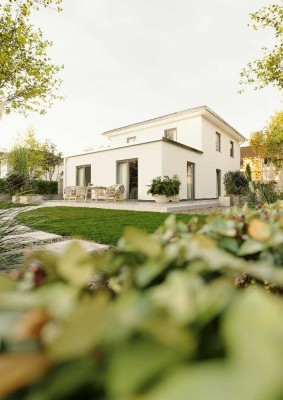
161, 319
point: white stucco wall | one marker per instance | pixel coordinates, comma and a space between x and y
103, 165
174, 161
188, 132
161, 158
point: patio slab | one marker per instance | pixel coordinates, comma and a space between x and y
60, 247
137, 205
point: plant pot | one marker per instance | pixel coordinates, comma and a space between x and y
31, 199
161, 199
16, 198
175, 199
228, 201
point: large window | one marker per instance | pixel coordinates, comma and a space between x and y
218, 141
231, 149
171, 134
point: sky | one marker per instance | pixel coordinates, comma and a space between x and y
130, 60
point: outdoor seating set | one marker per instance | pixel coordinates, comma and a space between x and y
81, 193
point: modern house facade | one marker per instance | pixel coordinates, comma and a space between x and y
195, 144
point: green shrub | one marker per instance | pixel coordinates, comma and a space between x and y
2, 185
15, 182
235, 183
165, 186
158, 319
260, 193
44, 187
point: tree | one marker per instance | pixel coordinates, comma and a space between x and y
268, 69
33, 158
51, 159
27, 156
28, 79
268, 143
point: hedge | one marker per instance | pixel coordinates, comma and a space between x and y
44, 187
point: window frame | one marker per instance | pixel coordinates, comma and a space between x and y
232, 149
218, 142
131, 139
174, 130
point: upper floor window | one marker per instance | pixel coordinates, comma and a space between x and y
171, 134
231, 149
131, 139
218, 141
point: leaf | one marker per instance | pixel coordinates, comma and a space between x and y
259, 230
251, 369
83, 329
6, 283
76, 265
18, 370
230, 244
143, 242
134, 364
250, 247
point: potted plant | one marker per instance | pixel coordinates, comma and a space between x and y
165, 189
235, 184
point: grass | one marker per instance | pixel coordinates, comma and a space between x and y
99, 225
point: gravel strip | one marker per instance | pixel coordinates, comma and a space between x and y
204, 211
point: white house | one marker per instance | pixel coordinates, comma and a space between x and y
195, 144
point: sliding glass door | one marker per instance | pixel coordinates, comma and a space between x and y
190, 180
127, 174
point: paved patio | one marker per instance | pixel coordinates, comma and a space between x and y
134, 205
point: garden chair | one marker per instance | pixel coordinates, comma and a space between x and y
115, 192
81, 193
98, 193
70, 193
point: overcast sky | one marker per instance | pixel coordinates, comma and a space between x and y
131, 60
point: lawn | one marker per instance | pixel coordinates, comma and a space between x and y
100, 225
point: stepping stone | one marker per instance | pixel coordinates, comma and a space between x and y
60, 247
41, 236
37, 236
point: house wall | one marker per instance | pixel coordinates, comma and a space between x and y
188, 132
215, 159
103, 165
174, 161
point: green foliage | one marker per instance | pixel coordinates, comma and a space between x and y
268, 69
32, 158
15, 182
235, 182
268, 143
44, 187
260, 193
2, 185
157, 319
248, 173
51, 159
165, 186
28, 79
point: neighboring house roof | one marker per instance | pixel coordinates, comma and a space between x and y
176, 114
247, 152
